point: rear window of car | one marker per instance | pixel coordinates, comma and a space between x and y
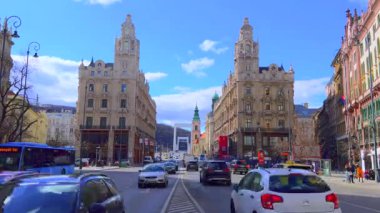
193, 162
300, 167
217, 165
297, 183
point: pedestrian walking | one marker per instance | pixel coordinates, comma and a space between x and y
352, 172
347, 170
359, 173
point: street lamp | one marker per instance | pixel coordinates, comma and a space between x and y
36, 47
16, 23
373, 126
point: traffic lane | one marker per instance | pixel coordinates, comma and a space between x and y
214, 197
354, 204
137, 200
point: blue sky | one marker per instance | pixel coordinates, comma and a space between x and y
186, 46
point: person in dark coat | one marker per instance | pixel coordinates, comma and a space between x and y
352, 172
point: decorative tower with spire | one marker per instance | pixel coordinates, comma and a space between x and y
196, 126
246, 52
127, 48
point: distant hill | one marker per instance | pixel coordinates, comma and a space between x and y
164, 135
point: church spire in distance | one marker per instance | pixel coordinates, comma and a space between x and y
196, 114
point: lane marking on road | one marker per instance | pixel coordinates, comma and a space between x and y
192, 198
360, 206
169, 197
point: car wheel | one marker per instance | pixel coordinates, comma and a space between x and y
63, 171
232, 206
204, 181
228, 183
241, 173
140, 185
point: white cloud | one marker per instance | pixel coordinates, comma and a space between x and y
209, 45
175, 108
196, 66
101, 2
181, 89
55, 80
310, 91
153, 76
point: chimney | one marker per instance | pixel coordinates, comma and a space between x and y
306, 105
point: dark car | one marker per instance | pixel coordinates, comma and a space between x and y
192, 165
61, 194
240, 166
175, 163
215, 171
169, 167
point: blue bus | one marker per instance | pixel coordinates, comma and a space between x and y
30, 156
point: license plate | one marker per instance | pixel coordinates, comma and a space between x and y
218, 170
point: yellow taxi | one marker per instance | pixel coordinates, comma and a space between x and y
293, 165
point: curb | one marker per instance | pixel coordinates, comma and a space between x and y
165, 207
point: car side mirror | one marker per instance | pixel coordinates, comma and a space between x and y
97, 208
236, 187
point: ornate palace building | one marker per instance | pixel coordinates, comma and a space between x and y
115, 112
255, 110
359, 55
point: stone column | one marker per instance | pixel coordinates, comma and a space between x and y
131, 144
110, 147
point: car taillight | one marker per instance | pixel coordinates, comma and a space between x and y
267, 200
236, 166
226, 169
210, 170
248, 166
333, 199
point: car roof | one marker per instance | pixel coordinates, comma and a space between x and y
281, 171
61, 179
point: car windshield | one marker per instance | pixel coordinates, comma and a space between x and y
152, 168
300, 167
297, 183
217, 165
31, 197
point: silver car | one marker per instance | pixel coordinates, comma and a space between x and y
152, 174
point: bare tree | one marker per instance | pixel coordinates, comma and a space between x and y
13, 107
59, 139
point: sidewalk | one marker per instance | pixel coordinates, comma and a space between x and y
341, 178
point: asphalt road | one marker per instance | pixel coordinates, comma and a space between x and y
215, 198
138, 200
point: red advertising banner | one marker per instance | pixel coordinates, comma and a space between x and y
223, 146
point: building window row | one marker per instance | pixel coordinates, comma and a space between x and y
103, 122
104, 103
123, 88
99, 73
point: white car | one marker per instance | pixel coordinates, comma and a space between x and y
282, 190
152, 174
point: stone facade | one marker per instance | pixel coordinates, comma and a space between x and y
255, 109
6, 60
115, 112
61, 126
305, 146
360, 53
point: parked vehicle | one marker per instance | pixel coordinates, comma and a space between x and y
85, 162
215, 171
169, 167
240, 166
192, 165
152, 174
148, 160
87, 192
283, 190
